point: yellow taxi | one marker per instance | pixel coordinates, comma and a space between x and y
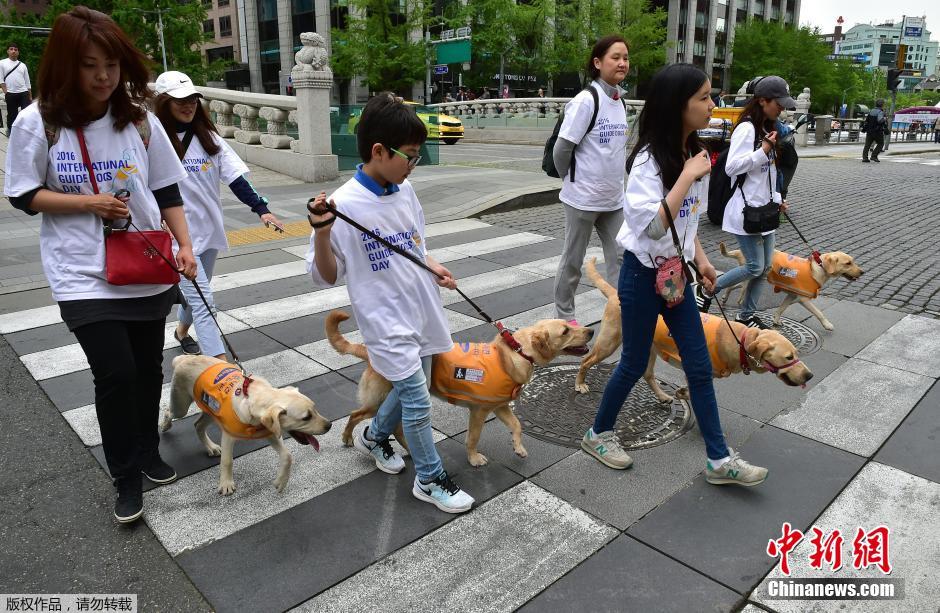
439, 126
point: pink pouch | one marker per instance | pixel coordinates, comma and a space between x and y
670, 280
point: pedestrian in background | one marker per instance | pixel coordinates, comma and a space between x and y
14, 80
876, 126
669, 167
93, 91
208, 159
591, 163
936, 130
753, 152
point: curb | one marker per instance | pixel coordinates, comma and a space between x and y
523, 197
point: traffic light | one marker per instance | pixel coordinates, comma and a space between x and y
894, 79
901, 58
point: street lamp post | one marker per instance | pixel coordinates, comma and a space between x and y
159, 12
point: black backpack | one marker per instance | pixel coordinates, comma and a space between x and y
548, 160
720, 187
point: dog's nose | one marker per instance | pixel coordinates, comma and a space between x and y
590, 333
328, 426
809, 376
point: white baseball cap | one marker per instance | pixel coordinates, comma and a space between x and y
176, 85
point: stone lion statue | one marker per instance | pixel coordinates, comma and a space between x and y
313, 55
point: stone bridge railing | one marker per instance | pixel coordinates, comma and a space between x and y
515, 108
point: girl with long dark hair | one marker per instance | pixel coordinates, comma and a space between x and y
590, 159
753, 153
207, 159
668, 168
93, 85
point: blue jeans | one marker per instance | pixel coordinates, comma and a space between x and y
210, 342
409, 402
758, 254
640, 306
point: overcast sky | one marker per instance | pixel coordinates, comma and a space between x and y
823, 13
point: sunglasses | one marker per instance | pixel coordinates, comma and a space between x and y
185, 101
412, 159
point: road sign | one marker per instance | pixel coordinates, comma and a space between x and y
440, 69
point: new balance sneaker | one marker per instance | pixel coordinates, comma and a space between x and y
702, 299
606, 448
735, 471
443, 493
158, 471
385, 457
130, 501
752, 322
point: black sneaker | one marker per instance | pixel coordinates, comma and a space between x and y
188, 343
874, 159
159, 471
753, 322
703, 300
865, 160
130, 501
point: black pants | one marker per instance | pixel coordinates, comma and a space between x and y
15, 102
879, 139
126, 359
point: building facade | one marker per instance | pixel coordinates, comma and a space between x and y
876, 46
31, 7
222, 24
701, 32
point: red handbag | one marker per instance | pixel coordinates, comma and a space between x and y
134, 258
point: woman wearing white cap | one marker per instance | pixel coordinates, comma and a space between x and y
208, 159
753, 212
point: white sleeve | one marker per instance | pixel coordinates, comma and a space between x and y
578, 113
26, 170
644, 193
742, 157
164, 166
230, 165
26, 72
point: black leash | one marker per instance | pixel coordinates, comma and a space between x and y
815, 252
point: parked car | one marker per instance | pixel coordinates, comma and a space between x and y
439, 126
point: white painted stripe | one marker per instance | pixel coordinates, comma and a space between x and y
549, 266
30, 318
291, 307
493, 559
589, 308
500, 243
190, 512
253, 276
489, 283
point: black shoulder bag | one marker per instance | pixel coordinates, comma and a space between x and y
759, 219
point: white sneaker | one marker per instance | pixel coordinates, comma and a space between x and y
385, 457
443, 493
606, 448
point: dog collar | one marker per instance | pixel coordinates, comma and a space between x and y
506, 334
816, 257
245, 383
746, 365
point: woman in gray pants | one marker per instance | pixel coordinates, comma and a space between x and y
590, 157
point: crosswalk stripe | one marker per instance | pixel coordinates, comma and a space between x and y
30, 318
529, 536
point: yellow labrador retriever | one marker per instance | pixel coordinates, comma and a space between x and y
246, 408
800, 278
766, 350
453, 377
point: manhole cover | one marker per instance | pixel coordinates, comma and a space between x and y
803, 337
551, 410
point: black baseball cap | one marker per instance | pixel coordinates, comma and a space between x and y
777, 89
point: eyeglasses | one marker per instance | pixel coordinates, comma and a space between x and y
412, 159
186, 101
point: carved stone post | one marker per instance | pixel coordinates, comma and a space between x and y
802, 107
312, 79
223, 118
276, 137
248, 132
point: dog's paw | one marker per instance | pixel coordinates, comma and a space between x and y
280, 484
347, 440
226, 488
682, 394
166, 422
582, 388
521, 452
213, 450
477, 459
828, 325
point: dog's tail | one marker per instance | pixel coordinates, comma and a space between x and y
338, 341
729, 253
606, 288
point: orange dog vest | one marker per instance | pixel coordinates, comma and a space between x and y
472, 372
666, 347
213, 393
793, 274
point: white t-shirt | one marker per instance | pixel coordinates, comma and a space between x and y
72, 245
644, 196
17, 81
743, 158
600, 156
201, 192
397, 305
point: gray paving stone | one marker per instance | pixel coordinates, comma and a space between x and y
40, 339
857, 407
856, 325
762, 396
880, 495
307, 329
722, 531
911, 345
314, 545
29, 299
516, 300
269, 257
76, 389
913, 446
626, 575
333, 394
527, 253
621, 497
261, 292
496, 444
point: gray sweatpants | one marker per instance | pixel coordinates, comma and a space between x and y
578, 227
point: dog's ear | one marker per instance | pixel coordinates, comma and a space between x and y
271, 418
541, 344
758, 346
830, 263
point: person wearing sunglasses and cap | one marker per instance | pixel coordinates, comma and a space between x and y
208, 159
753, 153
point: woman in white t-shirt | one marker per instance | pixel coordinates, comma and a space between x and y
753, 153
208, 159
668, 168
590, 160
93, 87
